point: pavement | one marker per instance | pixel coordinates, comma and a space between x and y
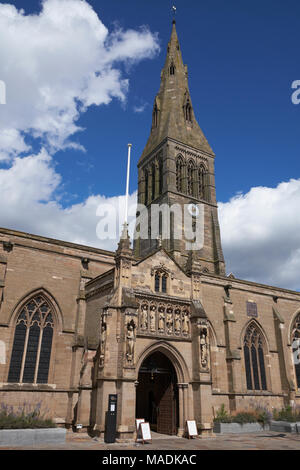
267, 440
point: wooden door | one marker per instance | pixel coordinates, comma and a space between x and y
166, 410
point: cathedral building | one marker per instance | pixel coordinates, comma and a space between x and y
157, 323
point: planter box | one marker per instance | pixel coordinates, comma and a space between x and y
31, 437
236, 428
284, 426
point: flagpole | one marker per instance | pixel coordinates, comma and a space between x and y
127, 184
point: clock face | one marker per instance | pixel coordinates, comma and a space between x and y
193, 210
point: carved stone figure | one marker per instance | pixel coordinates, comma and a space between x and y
144, 317
169, 322
152, 319
177, 322
185, 323
130, 342
204, 348
161, 321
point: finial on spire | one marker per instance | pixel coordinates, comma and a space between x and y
174, 13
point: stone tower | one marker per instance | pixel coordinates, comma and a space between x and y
177, 167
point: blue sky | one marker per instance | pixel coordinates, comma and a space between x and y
242, 58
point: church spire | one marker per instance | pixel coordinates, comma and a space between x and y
173, 114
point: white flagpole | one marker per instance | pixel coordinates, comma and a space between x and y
127, 184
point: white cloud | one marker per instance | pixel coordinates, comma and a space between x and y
57, 63
260, 230
261, 234
28, 191
140, 108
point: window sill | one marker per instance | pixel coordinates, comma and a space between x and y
27, 386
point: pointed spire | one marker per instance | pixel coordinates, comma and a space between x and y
124, 243
173, 114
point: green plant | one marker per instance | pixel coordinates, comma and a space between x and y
244, 417
287, 414
222, 415
24, 418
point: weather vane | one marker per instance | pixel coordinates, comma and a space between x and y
174, 11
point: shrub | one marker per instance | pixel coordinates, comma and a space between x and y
257, 414
222, 415
287, 414
244, 417
23, 418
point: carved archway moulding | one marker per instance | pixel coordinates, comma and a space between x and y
172, 354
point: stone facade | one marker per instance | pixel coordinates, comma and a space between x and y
161, 326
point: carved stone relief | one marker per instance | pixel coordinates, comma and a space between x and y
162, 319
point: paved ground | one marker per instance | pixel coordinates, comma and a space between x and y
267, 440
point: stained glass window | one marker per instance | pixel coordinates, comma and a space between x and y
254, 359
32, 344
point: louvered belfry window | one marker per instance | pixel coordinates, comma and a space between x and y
254, 359
32, 344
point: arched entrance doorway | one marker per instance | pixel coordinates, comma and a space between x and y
157, 394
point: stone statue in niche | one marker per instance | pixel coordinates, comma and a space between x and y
204, 347
177, 321
169, 321
130, 341
144, 317
102, 342
152, 318
185, 323
161, 320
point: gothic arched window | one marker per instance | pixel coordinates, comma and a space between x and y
160, 166
32, 344
160, 281
254, 359
201, 182
155, 116
295, 347
164, 283
153, 172
146, 176
179, 174
188, 111
157, 282
172, 69
190, 178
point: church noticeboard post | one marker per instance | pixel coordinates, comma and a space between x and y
145, 431
191, 429
138, 428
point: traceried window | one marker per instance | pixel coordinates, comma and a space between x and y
146, 175
153, 173
32, 344
164, 283
201, 182
179, 174
160, 282
157, 282
160, 167
254, 359
295, 347
190, 178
